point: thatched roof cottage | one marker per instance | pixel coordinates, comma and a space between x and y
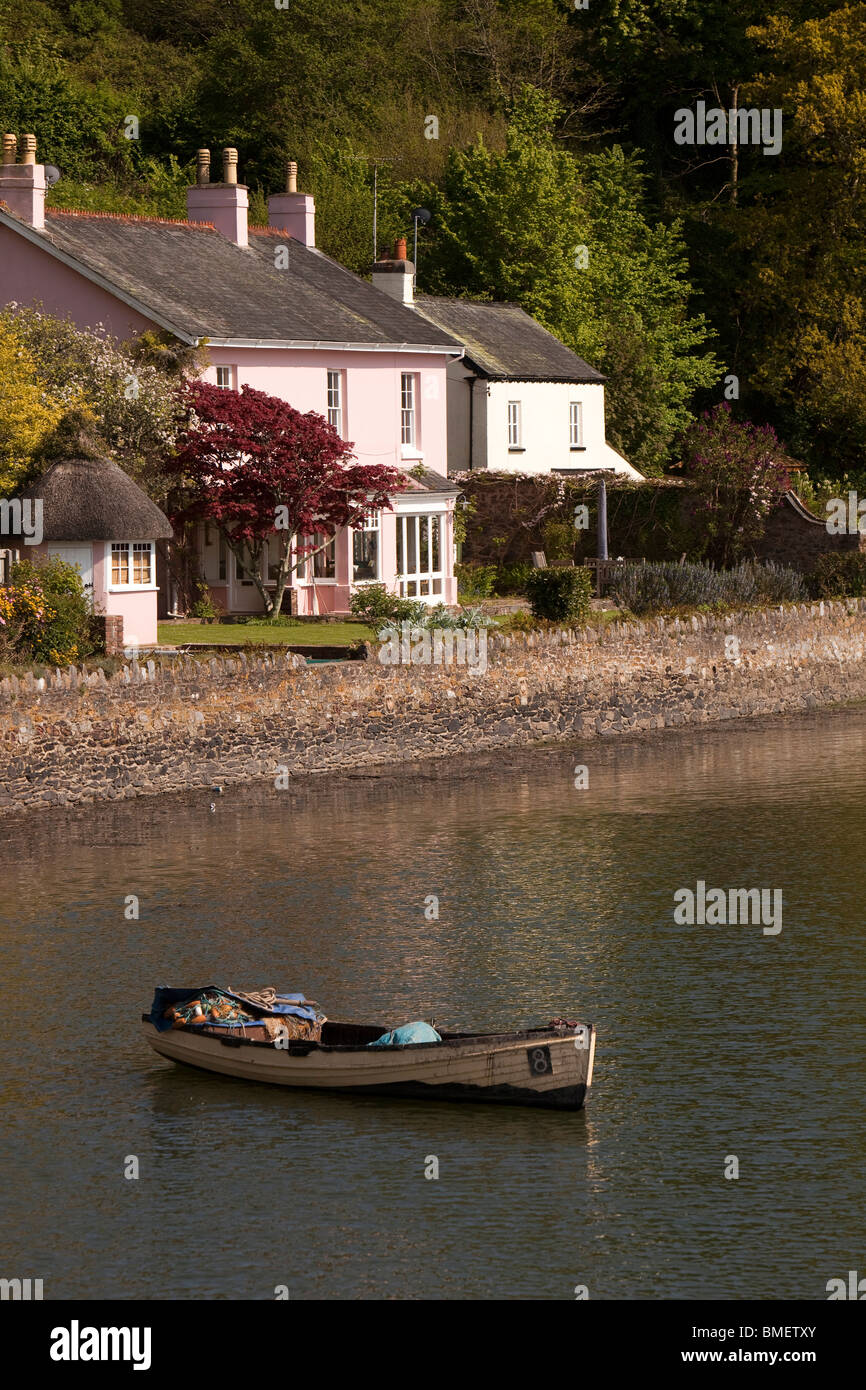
94, 516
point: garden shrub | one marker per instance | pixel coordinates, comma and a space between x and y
475, 581
559, 541
375, 605
654, 587
45, 613
560, 595
512, 578
839, 574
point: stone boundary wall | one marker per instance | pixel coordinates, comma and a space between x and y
182, 724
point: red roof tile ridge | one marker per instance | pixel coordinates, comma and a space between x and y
131, 217
261, 230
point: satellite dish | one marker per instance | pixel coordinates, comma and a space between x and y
52, 175
422, 215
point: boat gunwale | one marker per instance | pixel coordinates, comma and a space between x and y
306, 1045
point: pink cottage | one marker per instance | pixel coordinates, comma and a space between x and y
278, 315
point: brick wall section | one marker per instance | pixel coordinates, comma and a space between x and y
107, 630
189, 724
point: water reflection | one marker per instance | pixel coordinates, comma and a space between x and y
713, 1041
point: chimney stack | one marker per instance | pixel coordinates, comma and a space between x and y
395, 275
22, 186
293, 212
224, 204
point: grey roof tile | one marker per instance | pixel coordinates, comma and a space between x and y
201, 282
504, 342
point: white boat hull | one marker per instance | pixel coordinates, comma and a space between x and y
541, 1067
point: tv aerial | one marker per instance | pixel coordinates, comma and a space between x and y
422, 215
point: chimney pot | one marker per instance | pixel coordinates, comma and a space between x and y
230, 165
224, 204
22, 186
293, 212
400, 249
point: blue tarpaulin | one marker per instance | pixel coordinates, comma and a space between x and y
408, 1033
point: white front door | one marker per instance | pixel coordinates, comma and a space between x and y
79, 555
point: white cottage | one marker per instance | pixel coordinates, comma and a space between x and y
519, 400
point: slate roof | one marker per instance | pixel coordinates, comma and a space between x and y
198, 282
428, 481
505, 343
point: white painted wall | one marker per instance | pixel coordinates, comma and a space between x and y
545, 420
545, 436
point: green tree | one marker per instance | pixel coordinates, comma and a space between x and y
571, 241
802, 244
27, 412
129, 387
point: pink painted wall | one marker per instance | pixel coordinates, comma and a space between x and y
137, 607
28, 276
371, 402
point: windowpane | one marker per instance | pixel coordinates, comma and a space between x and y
324, 562
141, 562
435, 522
407, 408
365, 549
335, 400
575, 424
119, 562
412, 544
514, 430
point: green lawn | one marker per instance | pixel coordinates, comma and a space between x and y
298, 635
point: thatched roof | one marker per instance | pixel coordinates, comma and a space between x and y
87, 497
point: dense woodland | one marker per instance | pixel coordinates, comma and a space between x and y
555, 180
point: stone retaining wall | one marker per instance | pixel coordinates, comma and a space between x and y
184, 724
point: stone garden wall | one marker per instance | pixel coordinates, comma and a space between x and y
188, 723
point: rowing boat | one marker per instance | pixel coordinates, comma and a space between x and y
549, 1066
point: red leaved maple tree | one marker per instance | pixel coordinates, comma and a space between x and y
256, 468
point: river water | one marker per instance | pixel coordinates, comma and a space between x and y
715, 1043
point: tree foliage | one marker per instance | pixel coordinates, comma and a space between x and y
769, 250
28, 413
270, 479
739, 473
572, 243
130, 388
